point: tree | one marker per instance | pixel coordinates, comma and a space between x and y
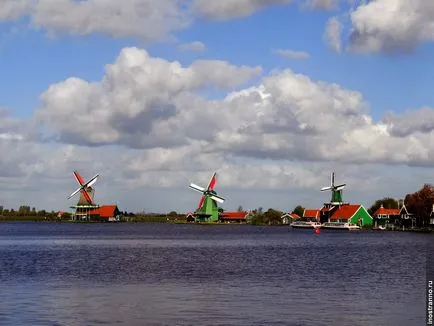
420, 204
257, 217
299, 210
387, 202
272, 216
24, 210
240, 209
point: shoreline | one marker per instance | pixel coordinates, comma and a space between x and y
154, 221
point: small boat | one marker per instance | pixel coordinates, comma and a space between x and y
340, 226
305, 225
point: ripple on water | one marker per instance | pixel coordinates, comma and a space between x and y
147, 274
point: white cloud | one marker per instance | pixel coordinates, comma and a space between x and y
138, 100
391, 25
157, 179
145, 19
13, 9
291, 54
11, 136
413, 122
332, 35
195, 46
145, 126
145, 102
230, 9
15, 129
377, 25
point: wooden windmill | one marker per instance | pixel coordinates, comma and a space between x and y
208, 210
335, 189
85, 203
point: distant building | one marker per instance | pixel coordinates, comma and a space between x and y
405, 215
189, 217
233, 217
394, 217
431, 217
224, 217
346, 213
105, 213
289, 218
385, 216
312, 215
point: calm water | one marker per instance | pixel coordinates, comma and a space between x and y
151, 274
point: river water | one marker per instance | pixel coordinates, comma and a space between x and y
161, 274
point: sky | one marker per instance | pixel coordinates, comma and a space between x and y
273, 95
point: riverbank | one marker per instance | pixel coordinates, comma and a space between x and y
165, 220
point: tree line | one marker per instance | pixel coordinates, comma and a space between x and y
26, 211
419, 203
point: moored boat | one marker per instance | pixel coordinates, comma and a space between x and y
305, 225
340, 226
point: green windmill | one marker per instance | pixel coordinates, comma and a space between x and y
335, 189
207, 210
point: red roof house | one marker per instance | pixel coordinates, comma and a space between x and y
233, 217
348, 213
386, 212
385, 216
105, 212
311, 214
345, 212
287, 218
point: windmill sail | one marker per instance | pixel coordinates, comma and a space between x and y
85, 189
207, 193
335, 189
86, 197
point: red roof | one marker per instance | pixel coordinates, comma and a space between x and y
387, 211
345, 211
104, 211
311, 213
233, 215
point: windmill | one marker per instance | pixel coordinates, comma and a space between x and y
208, 209
335, 189
85, 202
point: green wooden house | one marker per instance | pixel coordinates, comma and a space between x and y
346, 213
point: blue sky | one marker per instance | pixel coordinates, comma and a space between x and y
396, 81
